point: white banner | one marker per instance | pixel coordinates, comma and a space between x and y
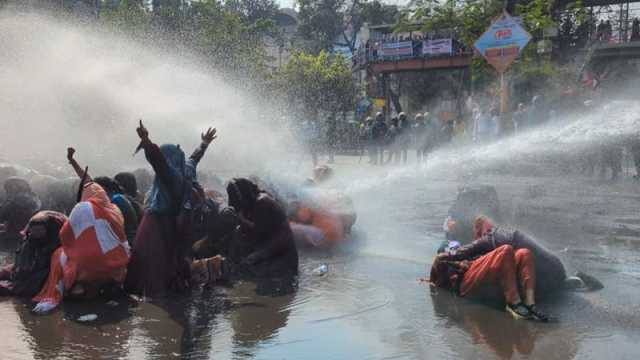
437, 47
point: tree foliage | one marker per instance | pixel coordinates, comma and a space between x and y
228, 34
469, 19
320, 23
325, 23
319, 83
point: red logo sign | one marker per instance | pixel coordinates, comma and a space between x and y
503, 34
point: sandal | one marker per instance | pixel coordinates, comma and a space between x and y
519, 311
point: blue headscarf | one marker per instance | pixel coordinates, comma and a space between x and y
160, 197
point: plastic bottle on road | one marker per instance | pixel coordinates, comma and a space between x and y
321, 270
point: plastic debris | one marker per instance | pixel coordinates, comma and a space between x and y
88, 317
321, 270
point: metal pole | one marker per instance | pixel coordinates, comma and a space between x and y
504, 95
504, 103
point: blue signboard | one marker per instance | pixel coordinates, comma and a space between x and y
502, 42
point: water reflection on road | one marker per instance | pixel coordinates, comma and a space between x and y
370, 305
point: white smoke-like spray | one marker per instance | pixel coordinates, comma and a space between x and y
75, 85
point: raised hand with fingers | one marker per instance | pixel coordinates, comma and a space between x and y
209, 136
143, 133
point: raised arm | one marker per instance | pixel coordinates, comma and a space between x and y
156, 159
78, 169
207, 138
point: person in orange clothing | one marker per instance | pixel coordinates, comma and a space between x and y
502, 273
316, 227
94, 250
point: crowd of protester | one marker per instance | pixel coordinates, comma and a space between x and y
152, 234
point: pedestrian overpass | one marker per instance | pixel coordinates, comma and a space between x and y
391, 62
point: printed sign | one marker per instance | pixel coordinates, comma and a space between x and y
502, 42
437, 47
397, 49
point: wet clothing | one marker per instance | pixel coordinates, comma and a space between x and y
367, 141
20, 205
485, 127
500, 273
519, 119
168, 162
635, 153
404, 133
392, 140
550, 273
220, 225
635, 30
378, 132
378, 138
496, 275
155, 269
159, 258
94, 250
265, 248
446, 132
27, 275
129, 185
404, 138
129, 214
138, 209
330, 225
420, 135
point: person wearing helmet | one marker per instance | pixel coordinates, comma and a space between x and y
365, 138
404, 136
419, 137
378, 137
392, 140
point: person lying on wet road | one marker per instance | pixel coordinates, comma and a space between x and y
502, 273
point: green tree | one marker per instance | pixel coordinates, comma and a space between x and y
469, 19
372, 12
378, 13
325, 23
320, 23
229, 36
316, 84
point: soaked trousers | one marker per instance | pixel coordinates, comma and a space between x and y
500, 274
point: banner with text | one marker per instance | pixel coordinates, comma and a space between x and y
437, 47
397, 49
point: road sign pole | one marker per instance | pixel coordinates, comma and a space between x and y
504, 103
504, 95
500, 45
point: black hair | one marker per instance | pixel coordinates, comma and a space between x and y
242, 193
127, 181
108, 184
